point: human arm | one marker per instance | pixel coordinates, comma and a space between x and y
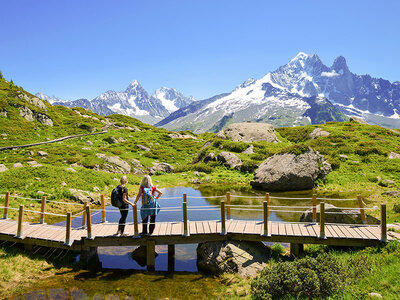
125, 199
159, 193
138, 196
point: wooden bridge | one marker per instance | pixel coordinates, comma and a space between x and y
89, 236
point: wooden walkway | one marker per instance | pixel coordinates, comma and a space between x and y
199, 231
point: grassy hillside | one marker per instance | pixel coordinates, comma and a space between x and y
358, 153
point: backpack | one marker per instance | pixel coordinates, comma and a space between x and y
116, 197
148, 195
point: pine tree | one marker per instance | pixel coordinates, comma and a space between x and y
1, 75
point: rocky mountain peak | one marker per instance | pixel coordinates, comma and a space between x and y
340, 65
133, 87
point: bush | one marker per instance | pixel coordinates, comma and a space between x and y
249, 166
202, 167
303, 278
231, 146
295, 149
295, 134
363, 151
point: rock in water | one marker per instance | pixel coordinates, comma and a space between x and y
335, 214
250, 132
244, 258
291, 172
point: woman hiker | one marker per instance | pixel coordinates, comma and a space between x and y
124, 208
150, 206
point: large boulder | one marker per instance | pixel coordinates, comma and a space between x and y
335, 214
244, 258
3, 168
84, 196
115, 164
161, 167
394, 155
250, 132
291, 172
355, 119
30, 116
229, 160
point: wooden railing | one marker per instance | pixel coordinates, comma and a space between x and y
87, 215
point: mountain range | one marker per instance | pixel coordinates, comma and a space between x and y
304, 91
134, 102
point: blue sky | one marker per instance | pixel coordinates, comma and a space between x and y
74, 49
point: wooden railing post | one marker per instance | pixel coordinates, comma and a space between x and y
68, 229
228, 205
266, 209
42, 210
267, 199
89, 222
20, 220
383, 223
185, 220
223, 229
103, 209
135, 221
314, 209
6, 205
85, 204
322, 220
362, 210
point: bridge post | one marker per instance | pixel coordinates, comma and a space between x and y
314, 209
228, 205
20, 220
89, 223
267, 199
103, 209
171, 258
383, 223
151, 255
185, 220
43, 208
68, 230
85, 204
223, 229
266, 210
296, 249
362, 210
135, 221
322, 220
6, 205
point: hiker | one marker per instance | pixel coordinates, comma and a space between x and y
124, 206
150, 206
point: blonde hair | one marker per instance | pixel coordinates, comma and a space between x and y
146, 181
123, 180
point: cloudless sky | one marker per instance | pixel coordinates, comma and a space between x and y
80, 49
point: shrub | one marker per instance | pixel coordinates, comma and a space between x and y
295, 149
231, 146
295, 134
202, 167
364, 151
277, 249
249, 166
306, 278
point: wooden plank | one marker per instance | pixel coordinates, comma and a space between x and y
303, 229
11, 229
29, 229
281, 228
359, 231
274, 228
354, 232
239, 228
156, 229
375, 231
163, 229
4, 224
328, 231
345, 231
219, 226
250, 227
260, 227
368, 235
206, 227
230, 225
336, 231
192, 227
103, 230
316, 229
213, 226
199, 227
310, 230
289, 229
41, 230
176, 228
168, 229
296, 230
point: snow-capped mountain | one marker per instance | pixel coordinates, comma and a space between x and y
301, 92
134, 102
50, 99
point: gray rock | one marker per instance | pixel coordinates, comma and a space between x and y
357, 120
34, 164
335, 214
3, 113
143, 147
63, 183
318, 132
71, 170
86, 148
30, 116
387, 182
343, 157
181, 136
111, 140
244, 258
42, 153
200, 155
196, 181
375, 295
210, 157
3, 134
17, 165
251, 132
221, 135
230, 160
84, 196
96, 189
3, 168
138, 168
121, 140
34, 101
392, 193
162, 167
115, 164
290, 172
249, 150
31, 153
89, 143
394, 155
40, 193
196, 173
